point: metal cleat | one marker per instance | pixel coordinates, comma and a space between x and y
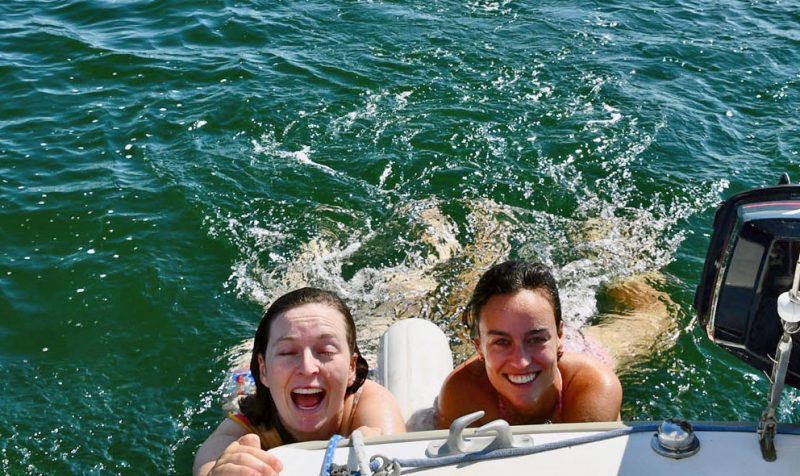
457, 444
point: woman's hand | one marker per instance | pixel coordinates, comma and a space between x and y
368, 431
244, 457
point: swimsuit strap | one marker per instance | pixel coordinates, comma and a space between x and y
501, 408
356, 397
560, 404
278, 435
242, 420
270, 438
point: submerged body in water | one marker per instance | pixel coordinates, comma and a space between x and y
642, 319
166, 166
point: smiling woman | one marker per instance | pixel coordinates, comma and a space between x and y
521, 372
311, 385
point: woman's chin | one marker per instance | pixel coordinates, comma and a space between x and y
521, 396
311, 423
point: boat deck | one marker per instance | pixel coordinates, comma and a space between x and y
721, 452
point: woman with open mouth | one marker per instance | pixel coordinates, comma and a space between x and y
311, 384
521, 373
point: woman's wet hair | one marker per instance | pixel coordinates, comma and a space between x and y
506, 278
260, 408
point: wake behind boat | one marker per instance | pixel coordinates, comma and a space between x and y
748, 299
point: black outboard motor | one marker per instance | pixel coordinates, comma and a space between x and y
748, 297
750, 262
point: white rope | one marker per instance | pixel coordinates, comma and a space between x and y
357, 460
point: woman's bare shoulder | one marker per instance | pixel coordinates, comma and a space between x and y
377, 408
374, 390
592, 391
580, 368
467, 389
467, 377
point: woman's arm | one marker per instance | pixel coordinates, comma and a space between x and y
231, 449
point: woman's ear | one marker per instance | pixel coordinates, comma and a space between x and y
476, 341
353, 364
262, 371
560, 350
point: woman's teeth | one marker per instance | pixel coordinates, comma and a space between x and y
520, 379
307, 398
307, 391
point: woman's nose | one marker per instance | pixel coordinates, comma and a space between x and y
309, 363
520, 357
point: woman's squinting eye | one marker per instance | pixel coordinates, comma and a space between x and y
538, 339
285, 350
328, 349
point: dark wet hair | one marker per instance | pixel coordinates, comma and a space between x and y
507, 278
260, 408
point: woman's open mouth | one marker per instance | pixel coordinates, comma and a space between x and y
522, 379
308, 398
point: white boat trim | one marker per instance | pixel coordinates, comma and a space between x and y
730, 453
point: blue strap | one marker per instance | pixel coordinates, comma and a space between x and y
330, 450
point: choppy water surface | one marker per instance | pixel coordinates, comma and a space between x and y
168, 168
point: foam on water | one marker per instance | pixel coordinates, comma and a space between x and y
389, 152
612, 228
585, 256
269, 146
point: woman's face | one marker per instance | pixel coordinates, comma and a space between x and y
307, 367
519, 342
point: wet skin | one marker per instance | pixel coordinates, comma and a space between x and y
307, 367
519, 343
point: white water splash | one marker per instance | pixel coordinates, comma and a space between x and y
268, 145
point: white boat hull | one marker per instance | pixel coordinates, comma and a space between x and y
414, 358
721, 453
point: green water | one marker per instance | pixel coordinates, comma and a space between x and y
164, 167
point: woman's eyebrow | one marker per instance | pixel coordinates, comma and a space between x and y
294, 338
328, 337
534, 331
